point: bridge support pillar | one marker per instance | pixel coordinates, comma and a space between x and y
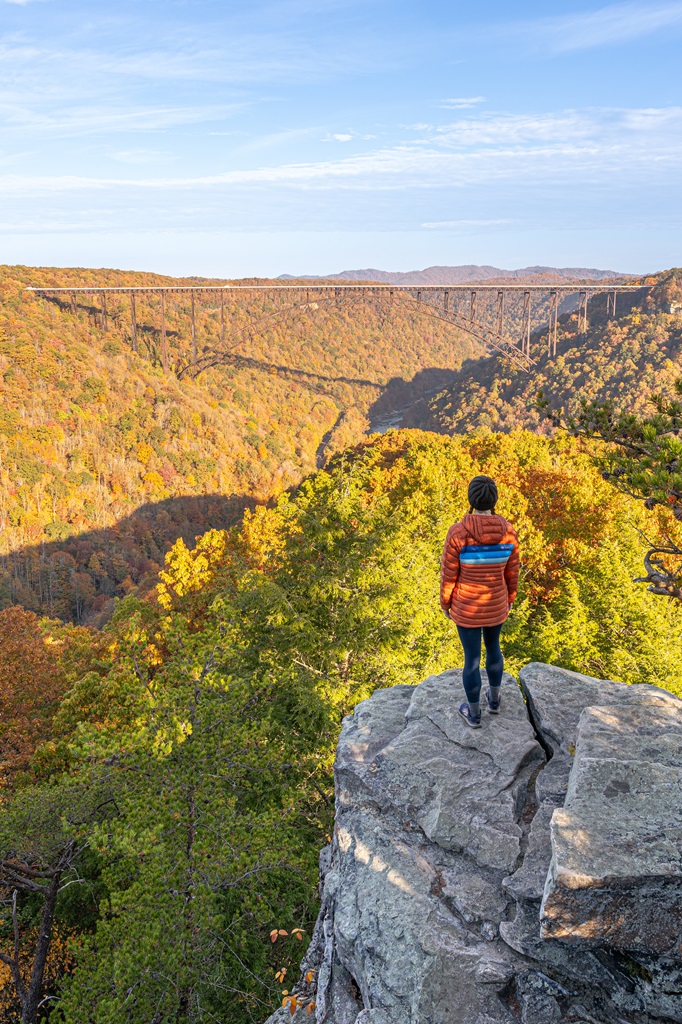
500, 313
105, 324
194, 334
222, 317
553, 323
472, 306
582, 313
525, 330
611, 305
164, 340
133, 322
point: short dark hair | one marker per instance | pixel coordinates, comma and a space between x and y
482, 494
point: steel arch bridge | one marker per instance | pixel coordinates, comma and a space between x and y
481, 310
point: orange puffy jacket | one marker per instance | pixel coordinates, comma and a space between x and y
479, 570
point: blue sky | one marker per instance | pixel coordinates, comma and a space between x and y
310, 136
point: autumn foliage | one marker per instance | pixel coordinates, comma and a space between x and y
196, 743
170, 764
105, 460
31, 683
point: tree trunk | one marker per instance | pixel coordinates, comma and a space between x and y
31, 1000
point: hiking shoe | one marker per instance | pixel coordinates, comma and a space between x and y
493, 705
473, 723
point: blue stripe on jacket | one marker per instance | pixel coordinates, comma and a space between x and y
486, 554
488, 547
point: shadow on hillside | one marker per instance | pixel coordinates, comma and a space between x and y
400, 395
77, 578
306, 377
94, 313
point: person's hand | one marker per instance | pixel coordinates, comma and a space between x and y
446, 613
511, 605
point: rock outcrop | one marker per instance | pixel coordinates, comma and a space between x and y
528, 871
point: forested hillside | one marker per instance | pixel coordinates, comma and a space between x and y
625, 360
180, 767
105, 460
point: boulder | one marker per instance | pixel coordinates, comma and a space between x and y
427, 824
448, 842
571, 713
461, 787
615, 877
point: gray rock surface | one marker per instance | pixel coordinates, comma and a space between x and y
616, 871
446, 837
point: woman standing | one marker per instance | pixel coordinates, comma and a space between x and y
478, 585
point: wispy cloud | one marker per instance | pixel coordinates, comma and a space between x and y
462, 102
100, 120
250, 59
271, 140
139, 156
297, 8
516, 129
607, 26
520, 129
347, 137
241, 59
449, 225
598, 146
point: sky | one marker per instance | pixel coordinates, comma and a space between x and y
267, 137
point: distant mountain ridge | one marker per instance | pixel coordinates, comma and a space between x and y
466, 274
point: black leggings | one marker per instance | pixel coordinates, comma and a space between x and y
494, 662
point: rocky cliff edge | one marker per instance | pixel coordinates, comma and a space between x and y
528, 871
